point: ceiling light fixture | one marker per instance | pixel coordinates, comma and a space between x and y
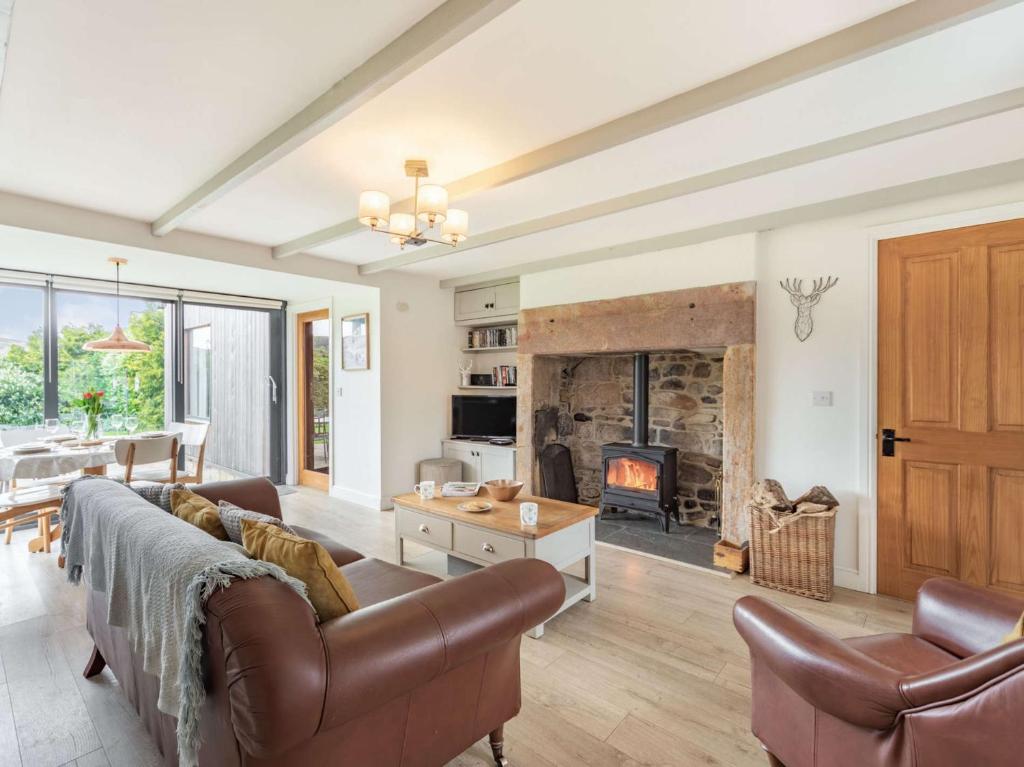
117, 341
430, 206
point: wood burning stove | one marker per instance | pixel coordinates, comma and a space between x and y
640, 476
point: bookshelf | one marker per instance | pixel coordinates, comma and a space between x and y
492, 347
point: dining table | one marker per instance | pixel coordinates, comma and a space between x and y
58, 460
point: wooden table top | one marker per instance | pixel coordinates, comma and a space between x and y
552, 516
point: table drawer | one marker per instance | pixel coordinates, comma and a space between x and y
487, 546
423, 527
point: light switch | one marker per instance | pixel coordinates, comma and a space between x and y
821, 399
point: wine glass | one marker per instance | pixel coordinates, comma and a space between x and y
116, 424
131, 423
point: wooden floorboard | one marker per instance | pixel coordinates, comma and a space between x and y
652, 673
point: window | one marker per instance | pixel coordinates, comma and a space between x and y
21, 356
134, 385
198, 372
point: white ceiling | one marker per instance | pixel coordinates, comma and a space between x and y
125, 107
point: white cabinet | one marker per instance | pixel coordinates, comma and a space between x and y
497, 463
480, 461
491, 303
466, 453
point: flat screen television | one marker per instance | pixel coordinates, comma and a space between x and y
476, 416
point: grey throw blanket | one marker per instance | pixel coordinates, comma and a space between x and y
156, 572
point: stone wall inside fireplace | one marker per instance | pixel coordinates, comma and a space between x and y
596, 407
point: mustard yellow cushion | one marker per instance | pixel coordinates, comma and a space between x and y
1018, 631
198, 511
329, 590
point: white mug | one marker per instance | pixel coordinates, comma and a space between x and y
425, 489
528, 513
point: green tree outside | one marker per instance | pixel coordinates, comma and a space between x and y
78, 370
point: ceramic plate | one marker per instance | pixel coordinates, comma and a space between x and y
27, 449
474, 507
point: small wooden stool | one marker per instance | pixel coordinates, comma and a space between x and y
35, 504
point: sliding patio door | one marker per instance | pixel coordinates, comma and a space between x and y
231, 381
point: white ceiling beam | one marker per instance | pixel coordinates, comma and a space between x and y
54, 218
976, 178
911, 126
895, 27
431, 35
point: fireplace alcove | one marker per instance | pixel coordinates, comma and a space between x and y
714, 317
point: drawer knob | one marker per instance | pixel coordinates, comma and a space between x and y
424, 529
488, 548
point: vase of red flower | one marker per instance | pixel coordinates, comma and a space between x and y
92, 405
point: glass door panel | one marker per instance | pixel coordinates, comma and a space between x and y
227, 385
22, 363
313, 334
135, 386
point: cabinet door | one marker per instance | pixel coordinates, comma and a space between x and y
473, 304
468, 455
506, 299
497, 463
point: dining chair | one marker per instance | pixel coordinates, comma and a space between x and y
193, 440
38, 504
144, 451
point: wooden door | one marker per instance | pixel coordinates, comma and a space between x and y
312, 365
951, 380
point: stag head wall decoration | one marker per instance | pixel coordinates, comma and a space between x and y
804, 303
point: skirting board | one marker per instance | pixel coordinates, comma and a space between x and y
848, 578
358, 498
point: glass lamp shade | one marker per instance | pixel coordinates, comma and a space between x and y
432, 203
117, 341
374, 208
455, 227
402, 225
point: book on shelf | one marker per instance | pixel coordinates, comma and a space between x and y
504, 375
492, 338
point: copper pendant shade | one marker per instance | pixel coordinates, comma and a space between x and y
117, 341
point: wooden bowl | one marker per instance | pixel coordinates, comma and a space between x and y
503, 489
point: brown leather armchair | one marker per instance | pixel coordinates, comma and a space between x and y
419, 673
949, 694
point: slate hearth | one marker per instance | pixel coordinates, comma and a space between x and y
641, 532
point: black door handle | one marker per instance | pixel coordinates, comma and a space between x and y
889, 440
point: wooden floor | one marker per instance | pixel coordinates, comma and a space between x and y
652, 673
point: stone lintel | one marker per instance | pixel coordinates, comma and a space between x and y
692, 318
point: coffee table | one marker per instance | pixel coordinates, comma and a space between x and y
563, 536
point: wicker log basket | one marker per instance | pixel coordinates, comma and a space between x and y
792, 543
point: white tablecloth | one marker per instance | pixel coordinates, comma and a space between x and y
54, 463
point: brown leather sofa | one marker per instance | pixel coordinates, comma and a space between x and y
949, 694
416, 676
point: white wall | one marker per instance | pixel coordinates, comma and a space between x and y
730, 259
419, 353
796, 443
356, 410
385, 420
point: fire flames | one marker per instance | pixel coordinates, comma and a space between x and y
632, 474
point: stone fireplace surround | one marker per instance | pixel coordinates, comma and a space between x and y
596, 407
712, 317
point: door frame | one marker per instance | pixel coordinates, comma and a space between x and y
868, 534
303, 476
